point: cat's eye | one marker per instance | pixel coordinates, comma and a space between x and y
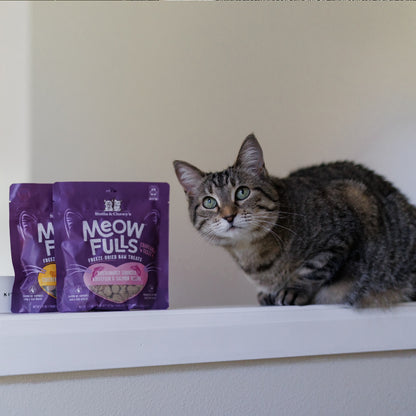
242, 193
209, 202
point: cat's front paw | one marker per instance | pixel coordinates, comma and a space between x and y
290, 296
266, 299
287, 296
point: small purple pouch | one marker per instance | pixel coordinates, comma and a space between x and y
111, 245
32, 247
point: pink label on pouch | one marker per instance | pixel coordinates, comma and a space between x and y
132, 273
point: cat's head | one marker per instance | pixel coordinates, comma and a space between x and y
239, 204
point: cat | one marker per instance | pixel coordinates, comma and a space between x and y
335, 233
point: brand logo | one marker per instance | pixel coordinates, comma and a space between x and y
112, 205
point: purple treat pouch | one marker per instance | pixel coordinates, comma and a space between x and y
111, 245
32, 246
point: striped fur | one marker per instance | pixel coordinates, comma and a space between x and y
333, 233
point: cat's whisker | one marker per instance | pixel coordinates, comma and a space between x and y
209, 235
276, 237
291, 213
287, 229
273, 224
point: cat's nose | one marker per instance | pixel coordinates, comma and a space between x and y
229, 218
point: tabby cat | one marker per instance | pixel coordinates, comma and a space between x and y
333, 233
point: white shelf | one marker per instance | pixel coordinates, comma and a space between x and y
47, 343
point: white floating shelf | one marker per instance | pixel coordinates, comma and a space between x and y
54, 342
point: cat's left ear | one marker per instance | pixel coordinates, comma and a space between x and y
189, 176
250, 156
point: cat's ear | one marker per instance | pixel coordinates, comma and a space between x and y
250, 156
189, 176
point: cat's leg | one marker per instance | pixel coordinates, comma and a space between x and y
306, 281
381, 289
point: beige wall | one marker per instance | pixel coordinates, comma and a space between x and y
14, 112
359, 385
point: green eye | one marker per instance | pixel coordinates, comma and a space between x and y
209, 203
242, 193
